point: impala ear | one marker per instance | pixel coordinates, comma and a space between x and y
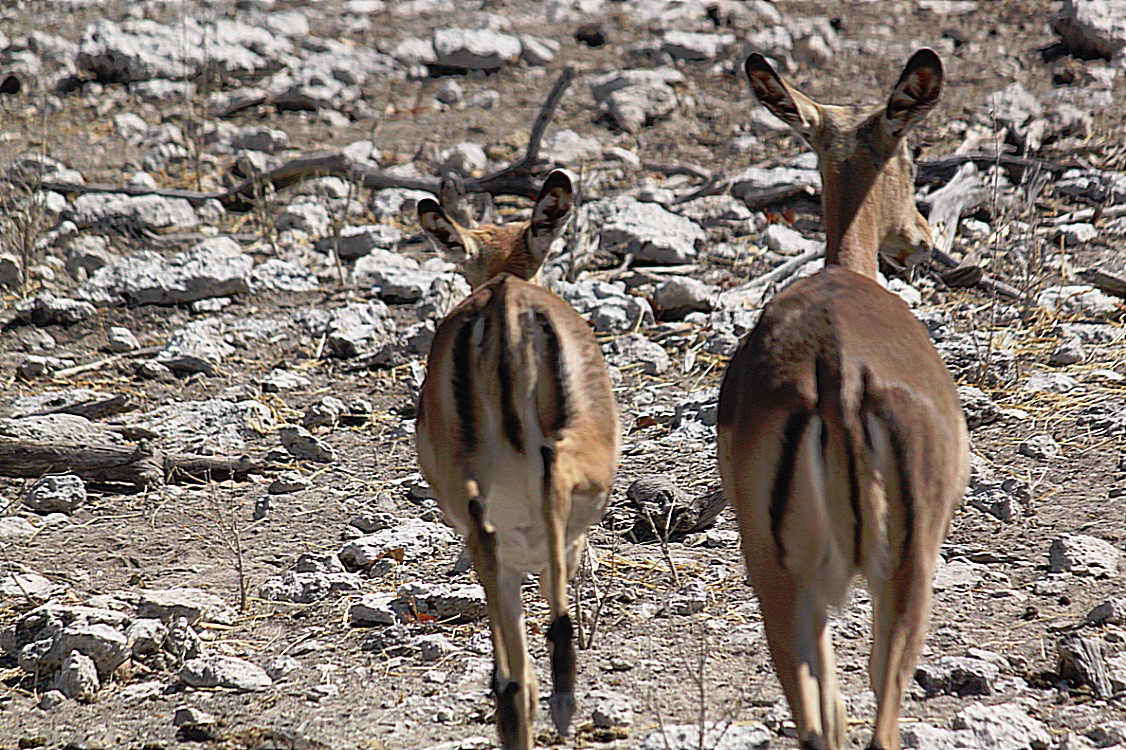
553, 206
915, 94
789, 105
448, 238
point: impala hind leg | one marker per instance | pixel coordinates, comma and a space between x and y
553, 584
801, 646
514, 682
901, 606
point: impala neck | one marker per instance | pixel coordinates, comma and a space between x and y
851, 220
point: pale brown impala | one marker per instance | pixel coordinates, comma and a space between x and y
842, 444
518, 435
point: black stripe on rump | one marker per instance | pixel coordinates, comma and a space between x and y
903, 472
464, 395
784, 476
510, 417
853, 496
555, 409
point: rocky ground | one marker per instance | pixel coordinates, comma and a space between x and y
213, 530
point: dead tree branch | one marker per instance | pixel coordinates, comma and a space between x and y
515, 179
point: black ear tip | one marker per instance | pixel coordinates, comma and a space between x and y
925, 58
557, 180
428, 206
755, 61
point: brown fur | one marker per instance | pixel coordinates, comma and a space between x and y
841, 439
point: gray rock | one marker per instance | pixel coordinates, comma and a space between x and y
784, 240
608, 306
305, 214
465, 159
215, 267
1022, 113
957, 675
198, 346
536, 50
475, 49
1051, 382
326, 412
1083, 555
308, 587
1042, 447
1006, 726
688, 45
353, 328
1110, 612
722, 736
1076, 234
182, 641
635, 352
35, 366
1091, 28
194, 718
374, 609
1083, 661
1079, 301
1106, 418
282, 666
18, 584
13, 528
211, 427
681, 295
568, 148
259, 138
56, 494
51, 700
142, 49
956, 574
284, 380
78, 677
443, 294
356, 241
11, 270
633, 107
146, 635
85, 254
753, 181
450, 92
1095, 184
287, 482
303, 445
132, 214
1070, 351
395, 278
226, 672
689, 599
105, 645
416, 538
446, 601
648, 231
195, 605
47, 310
121, 339
609, 709
979, 408
277, 275
1001, 498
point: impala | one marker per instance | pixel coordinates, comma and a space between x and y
841, 441
518, 436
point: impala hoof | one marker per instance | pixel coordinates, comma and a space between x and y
562, 710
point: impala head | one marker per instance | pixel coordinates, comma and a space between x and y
519, 248
868, 176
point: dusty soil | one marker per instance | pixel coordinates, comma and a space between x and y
176, 536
